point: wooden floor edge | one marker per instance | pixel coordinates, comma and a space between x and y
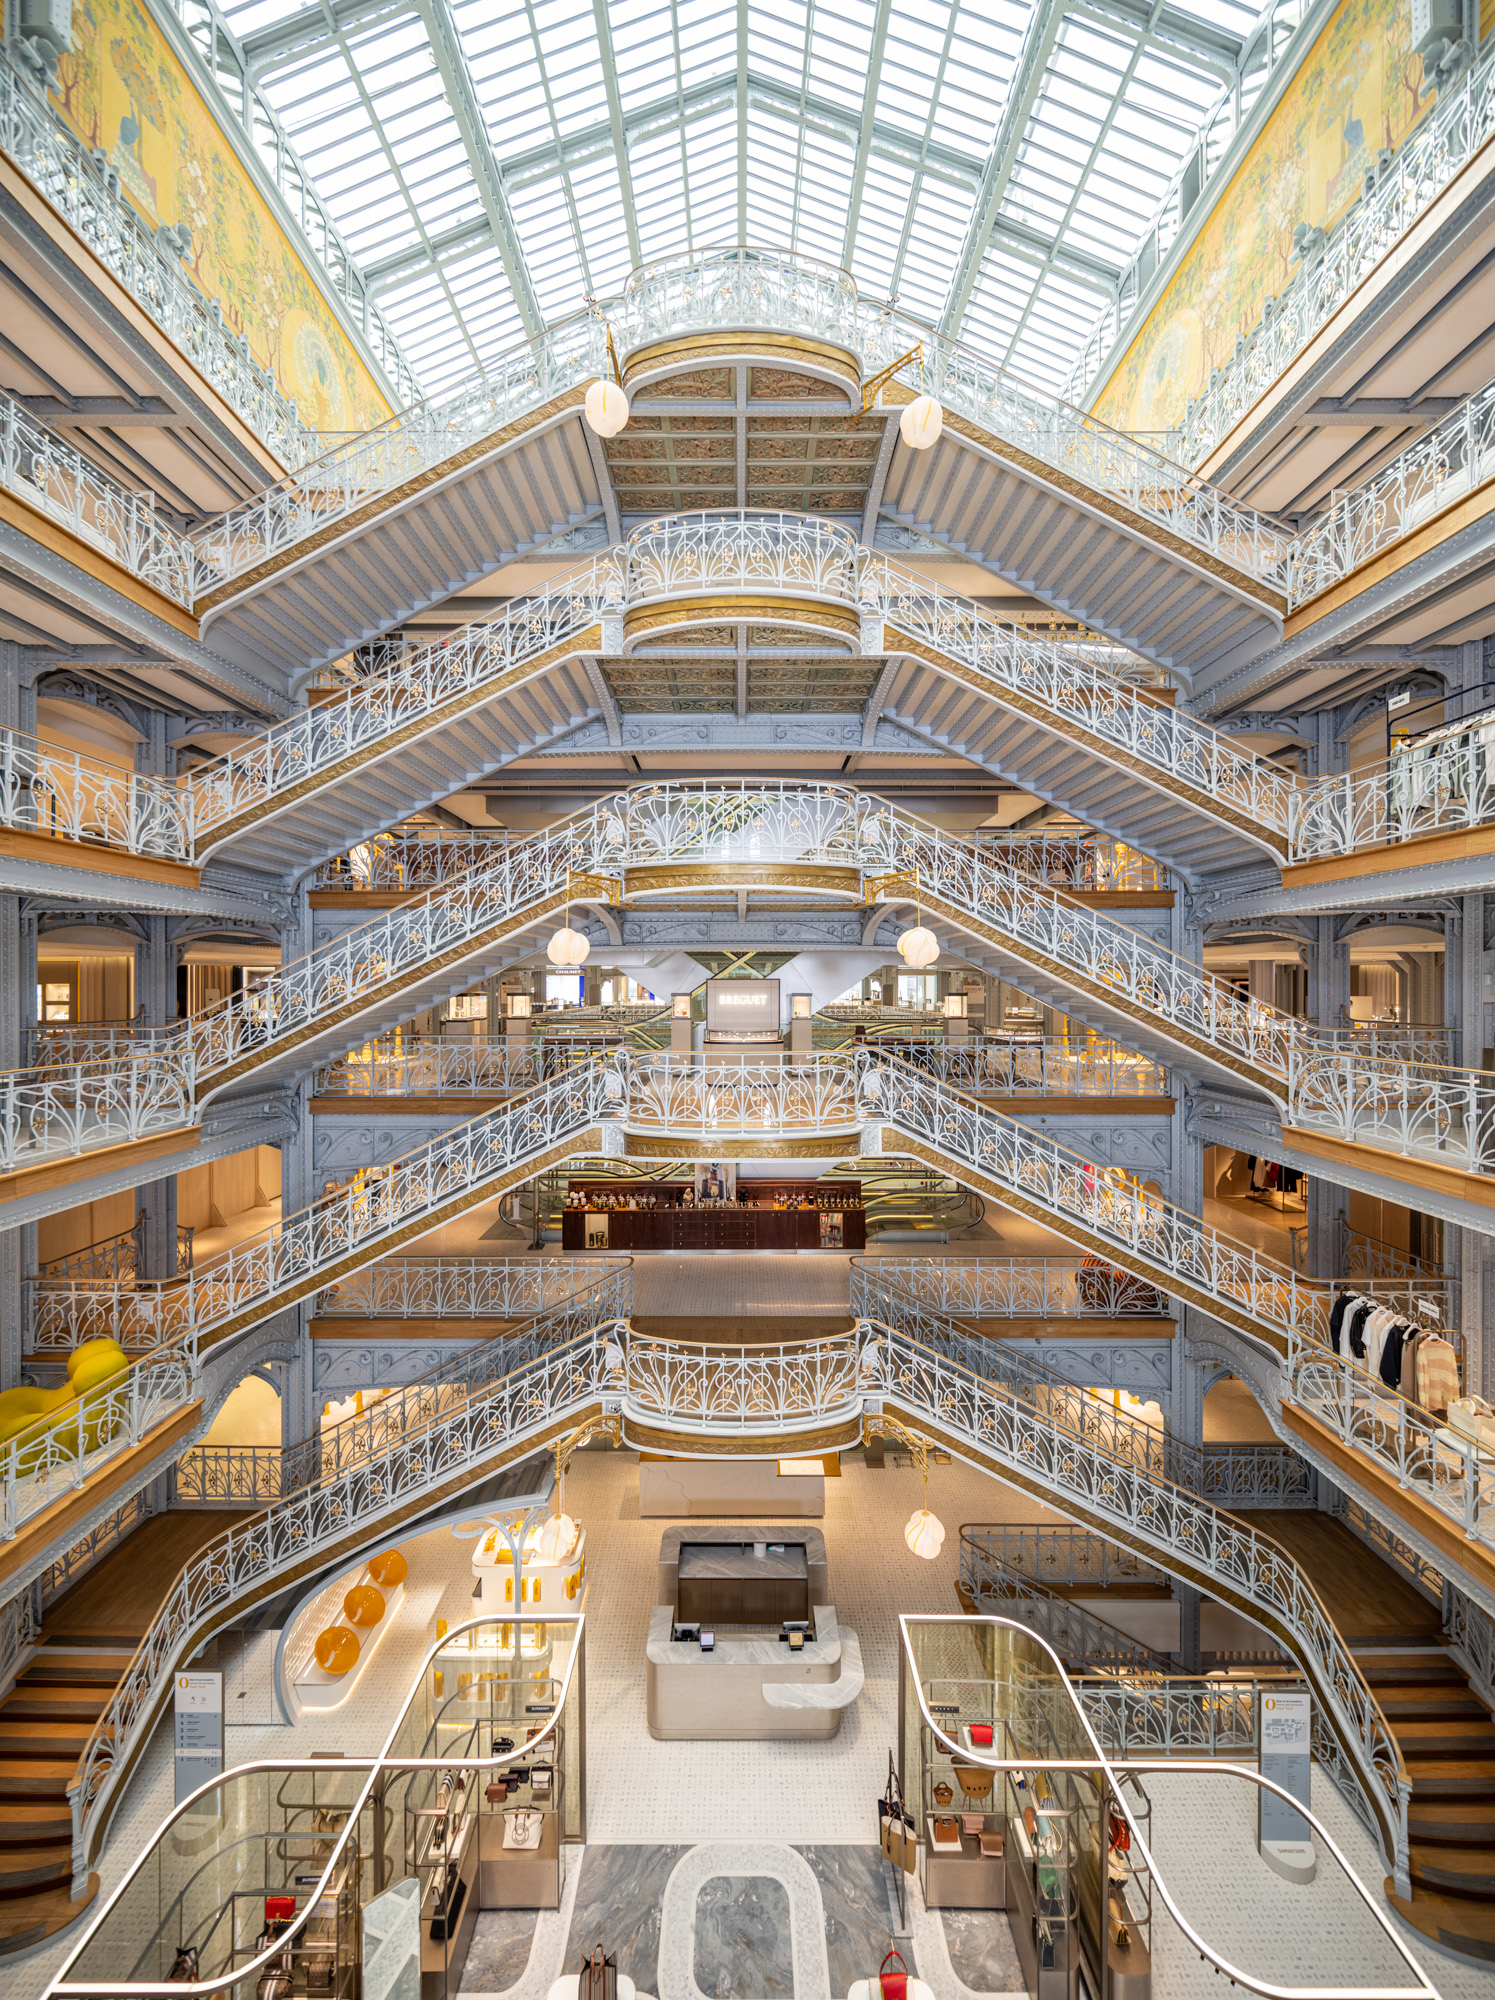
74, 1167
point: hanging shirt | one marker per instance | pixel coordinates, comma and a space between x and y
1437, 1373
1390, 1369
1341, 1306
1355, 1327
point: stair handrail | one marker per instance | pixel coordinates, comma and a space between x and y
1076, 1633
999, 1420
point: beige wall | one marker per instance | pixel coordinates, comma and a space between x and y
211, 1195
251, 1415
103, 988
90, 1222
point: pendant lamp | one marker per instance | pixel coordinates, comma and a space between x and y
607, 408
925, 1534
921, 423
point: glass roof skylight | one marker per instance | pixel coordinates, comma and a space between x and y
992, 164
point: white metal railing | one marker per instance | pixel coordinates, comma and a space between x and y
56, 479
468, 1287
1427, 161
1407, 1109
58, 164
448, 1066
1021, 1287
60, 1452
406, 859
1055, 1066
1453, 458
1084, 861
1419, 791
66, 796
417, 1438
1008, 1423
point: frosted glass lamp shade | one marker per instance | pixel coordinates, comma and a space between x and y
568, 947
553, 1540
607, 408
921, 423
925, 1534
918, 947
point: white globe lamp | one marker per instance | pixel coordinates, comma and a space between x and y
568, 947
925, 1534
607, 408
921, 423
553, 1540
918, 947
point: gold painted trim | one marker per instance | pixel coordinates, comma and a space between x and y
390, 498
663, 358
588, 641
784, 1444
657, 879
1075, 732
648, 1146
814, 612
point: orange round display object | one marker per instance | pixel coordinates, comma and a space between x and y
363, 1605
336, 1649
390, 1569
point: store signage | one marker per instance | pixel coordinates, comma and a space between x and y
742, 1003
199, 1731
1284, 1837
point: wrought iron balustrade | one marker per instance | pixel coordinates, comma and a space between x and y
64, 795
1055, 1557
406, 859
1443, 786
1054, 1066
1021, 1287
1085, 862
1424, 165
449, 1066
55, 478
477, 1288
75, 1107
63, 170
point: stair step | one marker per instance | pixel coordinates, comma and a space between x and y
74, 1669
26, 1920
1430, 1705
31, 1867
1410, 1668
37, 1820
1458, 1871
1475, 1738
1441, 1777
37, 1739
35, 1777
1463, 1822
55, 1704
1458, 1925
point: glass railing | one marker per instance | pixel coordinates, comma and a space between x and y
288, 1870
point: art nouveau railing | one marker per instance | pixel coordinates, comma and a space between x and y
1229, 1475
1008, 1424
76, 1107
1453, 458
1084, 1642
1021, 1288
406, 859
477, 1288
60, 166
425, 1437
1445, 141
1443, 788
713, 288
59, 481
59, 1453
444, 1066
1054, 1067
1067, 1556
68, 797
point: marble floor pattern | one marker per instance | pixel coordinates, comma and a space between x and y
742, 1939
982, 1954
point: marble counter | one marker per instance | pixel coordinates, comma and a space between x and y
736, 1560
721, 1697
702, 1535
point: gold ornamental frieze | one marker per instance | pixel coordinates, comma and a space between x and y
671, 1146
787, 1443
662, 358
681, 613
670, 877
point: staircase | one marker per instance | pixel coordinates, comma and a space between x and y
1447, 1740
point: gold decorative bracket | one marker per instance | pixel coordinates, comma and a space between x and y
564, 1449
612, 355
877, 888
875, 384
881, 1425
594, 888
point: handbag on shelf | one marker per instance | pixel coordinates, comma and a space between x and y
973, 1781
541, 1781
273, 1984
496, 1789
502, 1745
1118, 1923
319, 1973
599, 1977
991, 1846
981, 1735
184, 1965
942, 1794
522, 1828
973, 1823
1118, 1832
453, 1896
891, 1985
946, 1830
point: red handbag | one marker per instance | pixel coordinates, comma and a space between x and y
893, 1985
279, 1909
981, 1735
1119, 1832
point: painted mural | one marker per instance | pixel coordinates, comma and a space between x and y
1355, 93
124, 91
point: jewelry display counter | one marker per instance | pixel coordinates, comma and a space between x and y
658, 1219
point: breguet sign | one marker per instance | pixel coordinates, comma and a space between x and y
750, 1005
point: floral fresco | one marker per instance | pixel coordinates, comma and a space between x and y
1355, 93
125, 93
